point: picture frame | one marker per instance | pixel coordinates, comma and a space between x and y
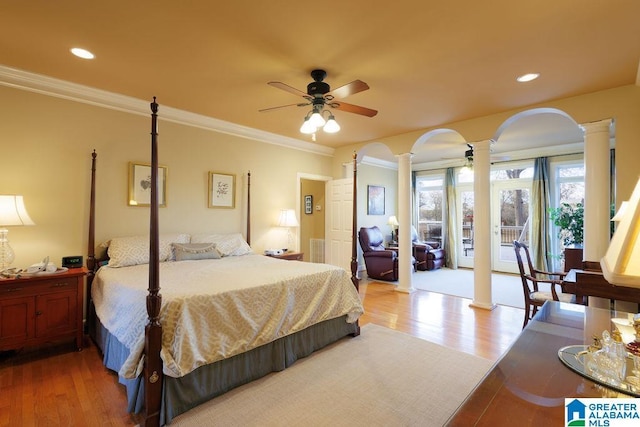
375, 200
140, 185
308, 204
222, 190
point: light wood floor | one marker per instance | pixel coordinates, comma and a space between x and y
58, 386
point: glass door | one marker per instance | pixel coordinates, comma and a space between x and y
466, 230
510, 221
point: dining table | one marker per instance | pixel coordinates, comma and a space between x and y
528, 385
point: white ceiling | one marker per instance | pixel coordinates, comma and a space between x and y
427, 62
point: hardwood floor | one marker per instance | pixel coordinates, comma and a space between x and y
55, 386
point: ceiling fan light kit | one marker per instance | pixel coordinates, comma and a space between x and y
318, 96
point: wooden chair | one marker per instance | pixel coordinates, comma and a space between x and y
533, 296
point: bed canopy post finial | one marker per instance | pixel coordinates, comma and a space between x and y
153, 377
354, 238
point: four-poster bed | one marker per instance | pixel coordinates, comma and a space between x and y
259, 315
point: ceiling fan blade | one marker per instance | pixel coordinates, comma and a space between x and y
350, 89
282, 106
288, 88
350, 108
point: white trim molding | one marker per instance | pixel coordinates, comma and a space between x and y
24, 80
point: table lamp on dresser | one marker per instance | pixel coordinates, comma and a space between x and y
12, 213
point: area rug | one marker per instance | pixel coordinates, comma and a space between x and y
382, 377
506, 289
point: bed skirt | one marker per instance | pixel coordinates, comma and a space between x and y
181, 394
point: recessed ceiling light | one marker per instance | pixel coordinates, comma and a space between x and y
527, 77
82, 53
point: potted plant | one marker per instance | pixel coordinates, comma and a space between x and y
570, 219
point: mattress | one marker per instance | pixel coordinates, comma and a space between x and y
214, 309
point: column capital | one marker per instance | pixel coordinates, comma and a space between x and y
594, 127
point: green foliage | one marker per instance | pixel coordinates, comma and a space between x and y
570, 219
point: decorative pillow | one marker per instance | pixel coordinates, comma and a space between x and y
134, 250
232, 244
190, 251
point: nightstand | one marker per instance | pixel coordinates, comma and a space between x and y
41, 309
291, 256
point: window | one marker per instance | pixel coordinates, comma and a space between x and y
429, 201
568, 188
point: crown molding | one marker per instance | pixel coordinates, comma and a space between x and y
44, 85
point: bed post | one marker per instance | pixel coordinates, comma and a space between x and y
91, 249
249, 208
354, 237
354, 226
153, 377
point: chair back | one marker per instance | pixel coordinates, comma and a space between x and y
371, 239
519, 249
414, 235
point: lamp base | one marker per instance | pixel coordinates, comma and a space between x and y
7, 256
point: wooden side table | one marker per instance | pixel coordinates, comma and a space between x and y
290, 256
39, 309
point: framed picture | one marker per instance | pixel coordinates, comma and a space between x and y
375, 200
308, 204
222, 190
140, 185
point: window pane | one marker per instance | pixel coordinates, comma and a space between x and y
569, 172
430, 214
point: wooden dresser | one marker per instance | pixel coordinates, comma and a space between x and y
41, 309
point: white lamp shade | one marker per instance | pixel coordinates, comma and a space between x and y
393, 221
332, 126
287, 218
620, 214
13, 212
307, 127
621, 264
317, 120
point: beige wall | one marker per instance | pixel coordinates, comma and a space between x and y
46, 146
622, 104
311, 225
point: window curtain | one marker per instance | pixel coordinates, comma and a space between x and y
450, 222
414, 200
540, 203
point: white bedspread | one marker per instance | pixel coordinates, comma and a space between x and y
214, 309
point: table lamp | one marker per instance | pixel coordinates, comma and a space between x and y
621, 264
12, 213
288, 219
393, 222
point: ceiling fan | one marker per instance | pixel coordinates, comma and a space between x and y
320, 94
468, 157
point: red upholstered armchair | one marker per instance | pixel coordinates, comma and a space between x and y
381, 263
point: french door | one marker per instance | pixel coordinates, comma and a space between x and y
510, 208
511, 205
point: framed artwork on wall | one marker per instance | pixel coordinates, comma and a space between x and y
140, 185
375, 200
308, 204
222, 190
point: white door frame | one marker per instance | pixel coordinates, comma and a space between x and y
506, 264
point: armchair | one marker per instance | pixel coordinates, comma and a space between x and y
381, 263
428, 255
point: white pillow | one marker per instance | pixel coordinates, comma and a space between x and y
194, 251
134, 250
232, 244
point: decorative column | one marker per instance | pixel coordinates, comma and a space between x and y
405, 250
482, 226
597, 159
